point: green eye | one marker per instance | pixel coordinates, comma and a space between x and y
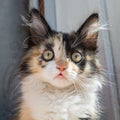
76, 57
48, 55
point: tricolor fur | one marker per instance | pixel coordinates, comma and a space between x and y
48, 95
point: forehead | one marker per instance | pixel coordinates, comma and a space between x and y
62, 39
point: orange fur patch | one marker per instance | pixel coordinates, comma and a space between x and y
25, 113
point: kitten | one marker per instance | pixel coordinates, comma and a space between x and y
60, 73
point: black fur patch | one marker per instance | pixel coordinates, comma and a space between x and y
69, 39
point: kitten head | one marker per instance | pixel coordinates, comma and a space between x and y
61, 59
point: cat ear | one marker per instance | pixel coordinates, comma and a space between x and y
38, 25
88, 32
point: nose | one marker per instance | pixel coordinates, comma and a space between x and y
61, 67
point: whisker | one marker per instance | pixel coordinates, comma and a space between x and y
109, 72
80, 85
75, 87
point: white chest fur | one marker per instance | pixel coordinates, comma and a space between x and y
49, 105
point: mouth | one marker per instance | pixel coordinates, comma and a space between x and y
60, 76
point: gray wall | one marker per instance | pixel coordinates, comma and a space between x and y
114, 23
11, 38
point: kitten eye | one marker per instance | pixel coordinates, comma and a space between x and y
76, 57
48, 55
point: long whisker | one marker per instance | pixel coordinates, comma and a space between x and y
77, 84
75, 87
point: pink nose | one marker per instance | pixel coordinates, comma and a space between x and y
61, 67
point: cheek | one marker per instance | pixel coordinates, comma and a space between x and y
72, 71
42, 68
49, 71
34, 65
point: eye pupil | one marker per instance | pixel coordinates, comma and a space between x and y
76, 56
48, 54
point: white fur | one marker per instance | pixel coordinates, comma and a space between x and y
49, 103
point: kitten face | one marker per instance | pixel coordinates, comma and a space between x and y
61, 59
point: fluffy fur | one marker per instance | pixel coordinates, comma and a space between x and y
48, 95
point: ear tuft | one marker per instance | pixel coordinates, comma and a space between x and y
88, 32
38, 25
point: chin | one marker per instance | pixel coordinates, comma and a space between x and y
60, 83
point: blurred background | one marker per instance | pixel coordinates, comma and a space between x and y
66, 16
